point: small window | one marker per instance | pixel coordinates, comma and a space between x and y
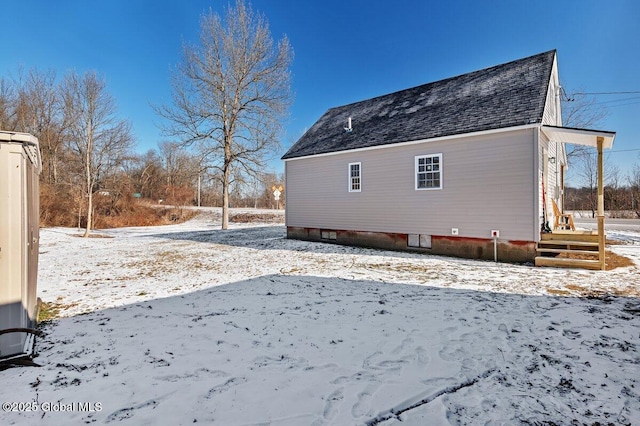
328, 235
429, 171
419, 240
355, 177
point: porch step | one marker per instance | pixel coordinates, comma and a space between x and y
567, 263
570, 236
565, 250
578, 245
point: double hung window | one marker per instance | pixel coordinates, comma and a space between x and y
429, 172
355, 177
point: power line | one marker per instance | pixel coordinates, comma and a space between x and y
617, 102
625, 150
607, 93
613, 104
618, 105
567, 98
611, 101
611, 151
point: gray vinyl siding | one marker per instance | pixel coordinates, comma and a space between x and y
543, 145
552, 116
553, 184
487, 183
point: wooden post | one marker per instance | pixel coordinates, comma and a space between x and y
601, 237
562, 168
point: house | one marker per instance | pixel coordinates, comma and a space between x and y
449, 167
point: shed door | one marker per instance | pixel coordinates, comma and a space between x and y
31, 243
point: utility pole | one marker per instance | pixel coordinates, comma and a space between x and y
199, 174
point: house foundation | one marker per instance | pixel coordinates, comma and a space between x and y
464, 247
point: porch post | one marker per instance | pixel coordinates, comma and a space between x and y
562, 168
601, 237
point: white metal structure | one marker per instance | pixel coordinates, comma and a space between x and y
20, 166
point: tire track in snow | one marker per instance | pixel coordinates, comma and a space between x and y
401, 408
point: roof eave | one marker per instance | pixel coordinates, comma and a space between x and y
577, 136
413, 142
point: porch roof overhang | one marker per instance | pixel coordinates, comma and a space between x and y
586, 137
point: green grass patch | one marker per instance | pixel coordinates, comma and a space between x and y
48, 311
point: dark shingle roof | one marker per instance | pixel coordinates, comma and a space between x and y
506, 95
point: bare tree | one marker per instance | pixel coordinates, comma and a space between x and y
40, 112
613, 191
581, 110
98, 139
169, 154
587, 174
269, 182
230, 94
147, 174
181, 167
7, 105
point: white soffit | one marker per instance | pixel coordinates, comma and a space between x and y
18, 137
586, 137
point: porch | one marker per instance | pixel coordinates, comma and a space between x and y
569, 249
565, 246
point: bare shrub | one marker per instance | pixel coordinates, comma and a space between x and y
257, 217
57, 206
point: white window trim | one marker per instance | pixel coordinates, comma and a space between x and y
350, 182
415, 172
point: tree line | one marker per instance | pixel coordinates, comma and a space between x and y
90, 170
230, 94
621, 193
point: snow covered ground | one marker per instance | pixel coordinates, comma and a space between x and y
190, 324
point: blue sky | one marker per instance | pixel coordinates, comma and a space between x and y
345, 51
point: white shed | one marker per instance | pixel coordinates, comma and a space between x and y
20, 166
